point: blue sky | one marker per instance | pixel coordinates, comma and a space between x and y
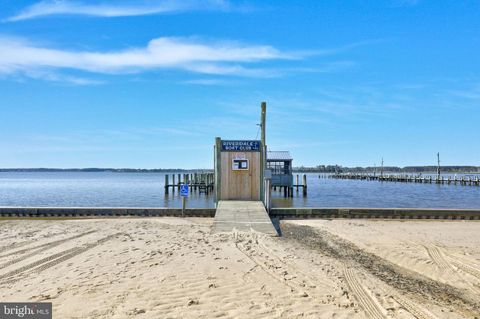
150, 83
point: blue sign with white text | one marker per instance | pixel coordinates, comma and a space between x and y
184, 190
241, 146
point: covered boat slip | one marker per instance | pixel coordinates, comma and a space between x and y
280, 164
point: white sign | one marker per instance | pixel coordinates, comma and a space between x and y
240, 164
239, 156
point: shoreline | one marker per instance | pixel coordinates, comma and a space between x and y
276, 212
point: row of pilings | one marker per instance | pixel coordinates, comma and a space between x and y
289, 190
408, 178
202, 182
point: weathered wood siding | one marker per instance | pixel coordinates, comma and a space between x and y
240, 185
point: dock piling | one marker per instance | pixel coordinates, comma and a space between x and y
166, 184
304, 184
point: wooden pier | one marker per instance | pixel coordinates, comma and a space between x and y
201, 182
288, 191
407, 178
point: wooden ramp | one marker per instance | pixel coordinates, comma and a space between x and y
242, 216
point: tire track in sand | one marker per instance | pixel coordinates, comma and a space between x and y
23, 243
27, 234
263, 256
275, 267
50, 261
75, 253
304, 280
464, 264
404, 280
265, 267
466, 268
15, 245
367, 302
438, 257
35, 250
447, 263
35, 264
413, 308
409, 305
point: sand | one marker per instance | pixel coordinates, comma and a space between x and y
175, 268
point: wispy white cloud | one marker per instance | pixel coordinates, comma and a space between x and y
188, 54
109, 9
60, 78
206, 82
471, 93
343, 48
402, 3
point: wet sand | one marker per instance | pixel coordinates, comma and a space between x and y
175, 268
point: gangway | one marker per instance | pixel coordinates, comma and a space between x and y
244, 216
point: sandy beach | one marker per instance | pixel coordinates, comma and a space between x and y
175, 268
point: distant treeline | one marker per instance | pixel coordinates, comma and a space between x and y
114, 170
301, 169
392, 169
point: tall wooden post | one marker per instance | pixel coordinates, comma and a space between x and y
184, 203
263, 150
381, 169
438, 165
218, 177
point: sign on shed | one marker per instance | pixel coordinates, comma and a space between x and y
240, 146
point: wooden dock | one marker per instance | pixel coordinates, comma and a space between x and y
204, 183
408, 178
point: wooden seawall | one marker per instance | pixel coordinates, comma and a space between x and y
377, 213
103, 212
281, 213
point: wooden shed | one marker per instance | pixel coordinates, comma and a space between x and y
238, 169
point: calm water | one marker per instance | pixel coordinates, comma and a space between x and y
146, 190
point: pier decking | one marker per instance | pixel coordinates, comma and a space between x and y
405, 178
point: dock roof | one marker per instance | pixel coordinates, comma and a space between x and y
279, 156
